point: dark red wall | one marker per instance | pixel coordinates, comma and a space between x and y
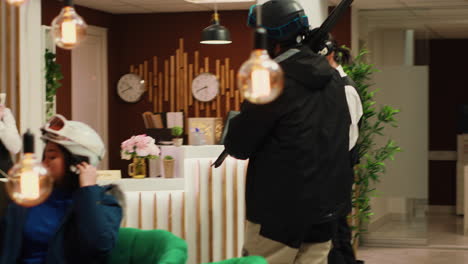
135, 38
448, 89
140, 37
342, 30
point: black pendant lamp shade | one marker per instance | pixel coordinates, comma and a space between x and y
216, 33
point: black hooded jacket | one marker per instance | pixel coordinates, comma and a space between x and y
298, 174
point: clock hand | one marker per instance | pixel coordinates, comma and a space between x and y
206, 87
126, 89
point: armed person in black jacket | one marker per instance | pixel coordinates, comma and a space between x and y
342, 251
299, 176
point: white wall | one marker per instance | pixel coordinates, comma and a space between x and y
316, 10
405, 88
387, 47
355, 30
31, 58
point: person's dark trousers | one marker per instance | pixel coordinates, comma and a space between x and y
342, 251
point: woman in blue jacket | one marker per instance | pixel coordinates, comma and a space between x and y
79, 222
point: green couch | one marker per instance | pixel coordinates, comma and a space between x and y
135, 246
246, 260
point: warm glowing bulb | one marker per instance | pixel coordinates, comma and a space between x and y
16, 2
260, 83
29, 183
260, 79
68, 28
69, 32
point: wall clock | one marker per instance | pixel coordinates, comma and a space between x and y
205, 87
131, 88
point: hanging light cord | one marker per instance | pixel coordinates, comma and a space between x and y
216, 15
68, 3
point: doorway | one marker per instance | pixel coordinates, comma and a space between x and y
90, 84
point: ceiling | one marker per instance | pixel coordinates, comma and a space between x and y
156, 6
430, 18
434, 18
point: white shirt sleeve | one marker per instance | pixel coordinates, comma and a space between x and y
9, 132
356, 112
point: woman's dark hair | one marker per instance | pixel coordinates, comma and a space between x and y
342, 54
70, 181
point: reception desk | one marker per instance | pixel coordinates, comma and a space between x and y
180, 154
205, 206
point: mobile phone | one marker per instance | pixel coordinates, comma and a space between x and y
76, 159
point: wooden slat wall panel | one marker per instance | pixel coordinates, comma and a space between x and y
171, 88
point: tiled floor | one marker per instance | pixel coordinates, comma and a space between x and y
442, 235
412, 256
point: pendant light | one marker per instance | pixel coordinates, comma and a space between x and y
68, 28
260, 79
16, 2
216, 33
29, 183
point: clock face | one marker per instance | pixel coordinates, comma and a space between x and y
130, 88
205, 87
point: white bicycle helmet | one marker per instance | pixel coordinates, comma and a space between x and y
77, 137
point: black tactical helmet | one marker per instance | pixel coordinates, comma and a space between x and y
284, 20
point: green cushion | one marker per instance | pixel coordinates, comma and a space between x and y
135, 246
245, 260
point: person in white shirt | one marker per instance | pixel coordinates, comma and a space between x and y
10, 144
342, 251
10, 140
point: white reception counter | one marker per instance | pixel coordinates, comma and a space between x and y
205, 206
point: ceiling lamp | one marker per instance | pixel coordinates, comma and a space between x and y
216, 33
68, 28
218, 1
29, 183
260, 79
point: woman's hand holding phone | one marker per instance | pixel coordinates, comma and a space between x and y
88, 174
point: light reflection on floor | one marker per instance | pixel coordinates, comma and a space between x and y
396, 242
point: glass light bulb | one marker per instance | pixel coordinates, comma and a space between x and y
68, 28
29, 183
260, 79
16, 2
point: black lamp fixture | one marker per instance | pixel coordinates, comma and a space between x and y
216, 33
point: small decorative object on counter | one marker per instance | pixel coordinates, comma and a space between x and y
168, 163
139, 148
198, 137
211, 127
177, 132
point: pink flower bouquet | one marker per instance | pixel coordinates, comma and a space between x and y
141, 146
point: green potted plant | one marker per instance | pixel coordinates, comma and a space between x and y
53, 75
168, 164
372, 156
177, 133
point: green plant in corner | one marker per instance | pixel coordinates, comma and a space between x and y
53, 75
372, 156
